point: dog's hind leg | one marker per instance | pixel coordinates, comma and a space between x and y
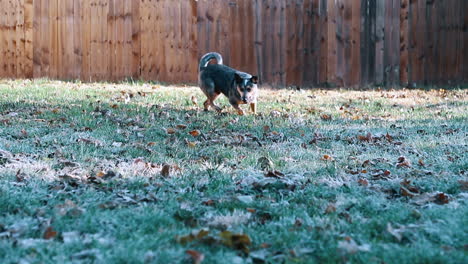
210, 102
211, 95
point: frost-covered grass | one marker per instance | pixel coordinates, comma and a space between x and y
137, 173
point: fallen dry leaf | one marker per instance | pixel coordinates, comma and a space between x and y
363, 182
49, 233
166, 170
367, 137
195, 133
181, 126
194, 100
274, 174
326, 117
196, 256
403, 162
441, 198
236, 241
193, 236
349, 246
170, 131
327, 158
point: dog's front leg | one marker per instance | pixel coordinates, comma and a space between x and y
239, 110
253, 107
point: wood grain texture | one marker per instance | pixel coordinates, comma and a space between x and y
286, 42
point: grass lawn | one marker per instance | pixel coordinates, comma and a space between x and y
120, 173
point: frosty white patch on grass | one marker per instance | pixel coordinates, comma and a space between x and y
229, 220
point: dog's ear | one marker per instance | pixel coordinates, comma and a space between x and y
254, 79
238, 78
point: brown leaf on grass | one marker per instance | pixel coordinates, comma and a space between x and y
326, 117
421, 163
20, 176
349, 246
194, 100
436, 197
89, 141
403, 162
196, 256
166, 170
367, 137
266, 129
363, 182
115, 106
49, 233
193, 236
191, 144
441, 198
407, 193
408, 190
236, 241
209, 202
327, 158
170, 131
274, 174
181, 126
195, 133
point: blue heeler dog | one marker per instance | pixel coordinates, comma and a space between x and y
216, 79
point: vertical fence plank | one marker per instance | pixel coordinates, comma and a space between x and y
404, 42
342, 36
258, 12
53, 39
395, 44
355, 78
267, 41
19, 38
379, 41
431, 37
60, 52
77, 39
332, 44
388, 51
294, 37
307, 43
45, 39
28, 38
464, 12
68, 40
85, 21
136, 39
323, 39
111, 20
36, 41
365, 41
4, 39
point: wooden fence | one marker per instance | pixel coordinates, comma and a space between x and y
286, 42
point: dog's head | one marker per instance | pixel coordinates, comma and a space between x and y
247, 87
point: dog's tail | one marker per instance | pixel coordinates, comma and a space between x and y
207, 57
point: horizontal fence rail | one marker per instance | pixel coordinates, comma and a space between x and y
340, 43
